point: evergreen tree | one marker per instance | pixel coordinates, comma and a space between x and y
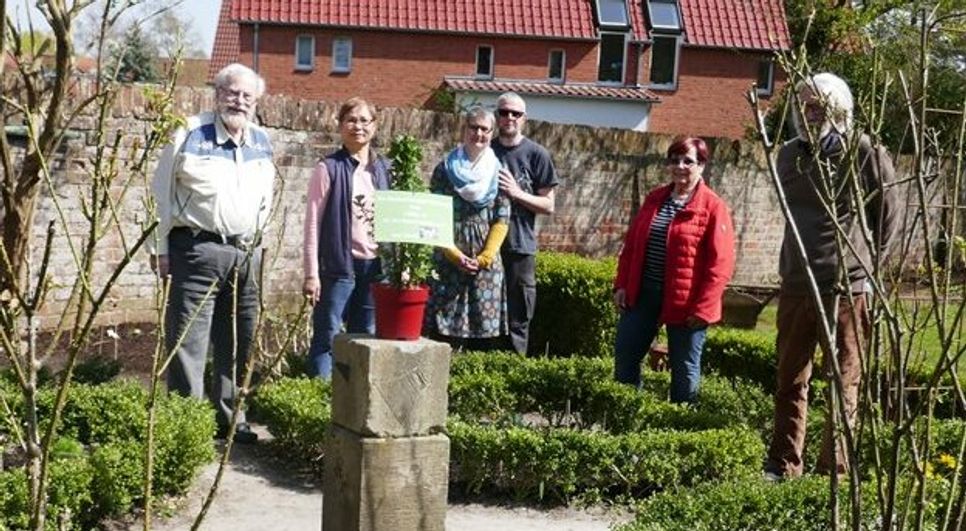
134, 58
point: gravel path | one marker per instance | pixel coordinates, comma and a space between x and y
260, 491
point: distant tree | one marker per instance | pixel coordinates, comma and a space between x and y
134, 58
162, 25
173, 34
874, 38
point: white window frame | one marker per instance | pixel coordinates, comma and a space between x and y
677, 63
311, 43
600, 53
341, 68
770, 87
563, 65
488, 75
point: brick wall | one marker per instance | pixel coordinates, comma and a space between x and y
599, 170
710, 95
392, 68
403, 69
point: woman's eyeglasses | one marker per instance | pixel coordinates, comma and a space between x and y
677, 161
509, 113
479, 128
361, 122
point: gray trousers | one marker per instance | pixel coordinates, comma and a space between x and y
224, 318
521, 296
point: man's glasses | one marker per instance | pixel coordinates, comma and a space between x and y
237, 95
677, 161
509, 113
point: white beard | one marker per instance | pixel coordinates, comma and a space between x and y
234, 120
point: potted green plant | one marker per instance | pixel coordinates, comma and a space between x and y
401, 296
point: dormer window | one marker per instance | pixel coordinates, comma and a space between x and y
612, 14
610, 64
665, 15
666, 36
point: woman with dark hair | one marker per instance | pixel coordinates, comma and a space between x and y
677, 258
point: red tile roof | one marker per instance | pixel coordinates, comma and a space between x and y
750, 24
573, 90
562, 19
747, 24
225, 48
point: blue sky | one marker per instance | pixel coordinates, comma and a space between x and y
203, 14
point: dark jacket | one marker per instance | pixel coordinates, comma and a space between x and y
801, 178
335, 232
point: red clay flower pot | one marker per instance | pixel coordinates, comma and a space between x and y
399, 311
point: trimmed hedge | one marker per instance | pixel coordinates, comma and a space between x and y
575, 312
751, 503
97, 465
555, 464
746, 354
649, 444
297, 412
499, 387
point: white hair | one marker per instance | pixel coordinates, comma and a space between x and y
833, 92
511, 96
234, 71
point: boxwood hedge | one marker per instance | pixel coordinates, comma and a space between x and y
297, 411
748, 503
555, 464
549, 429
97, 466
575, 314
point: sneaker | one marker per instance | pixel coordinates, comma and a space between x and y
243, 433
772, 477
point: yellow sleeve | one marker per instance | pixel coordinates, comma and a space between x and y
452, 254
492, 246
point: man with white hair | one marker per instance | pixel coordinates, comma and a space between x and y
815, 170
213, 187
528, 178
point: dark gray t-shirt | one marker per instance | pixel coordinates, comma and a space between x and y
530, 163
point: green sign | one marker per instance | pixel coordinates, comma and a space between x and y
414, 218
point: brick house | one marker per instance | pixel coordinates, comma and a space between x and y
671, 66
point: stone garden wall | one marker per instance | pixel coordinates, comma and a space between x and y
603, 173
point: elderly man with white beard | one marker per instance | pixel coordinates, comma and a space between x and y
213, 187
814, 170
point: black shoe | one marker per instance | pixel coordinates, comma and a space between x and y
243, 433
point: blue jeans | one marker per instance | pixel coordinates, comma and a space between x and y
347, 300
638, 327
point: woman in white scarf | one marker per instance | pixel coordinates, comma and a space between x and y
467, 306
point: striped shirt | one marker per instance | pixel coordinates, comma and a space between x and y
204, 181
657, 241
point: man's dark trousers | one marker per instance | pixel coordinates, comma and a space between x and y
521, 294
205, 308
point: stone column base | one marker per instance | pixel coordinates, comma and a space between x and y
382, 484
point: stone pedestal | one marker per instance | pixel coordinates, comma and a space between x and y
386, 459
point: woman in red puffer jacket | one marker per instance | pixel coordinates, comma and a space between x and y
677, 258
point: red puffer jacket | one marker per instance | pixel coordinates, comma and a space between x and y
699, 261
